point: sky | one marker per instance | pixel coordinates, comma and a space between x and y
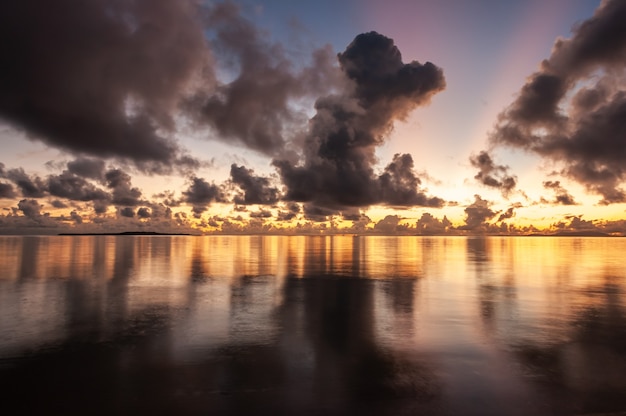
384, 117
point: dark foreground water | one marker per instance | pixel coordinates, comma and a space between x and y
312, 325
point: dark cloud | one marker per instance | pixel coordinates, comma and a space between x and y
573, 110
29, 207
492, 175
399, 185
477, 215
123, 193
30, 187
127, 212
57, 203
254, 109
256, 189
87, 168
293, 209
76, 217
317, 213
144, 212
201, 194
561, 196
261, 214
7, 191
68, 185
101, 77
337, 170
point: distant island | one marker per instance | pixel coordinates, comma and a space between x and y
127, 233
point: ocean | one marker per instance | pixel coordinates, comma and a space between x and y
308, 325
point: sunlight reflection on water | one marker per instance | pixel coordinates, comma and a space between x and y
316, 324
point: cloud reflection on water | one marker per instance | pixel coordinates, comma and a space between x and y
379, 325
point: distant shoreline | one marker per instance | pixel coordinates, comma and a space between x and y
148, 233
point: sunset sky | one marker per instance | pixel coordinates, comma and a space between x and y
410, 117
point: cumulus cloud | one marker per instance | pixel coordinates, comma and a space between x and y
200, 194
7, 191
255, 189
69, 186
80, 182
120, 79
123, 193
87, 168
477, 215
337, 168
573, 110
255, 108
292, 210
389, 225
76, 217
429, 225
561, 196
261, 214
492, 175
144, 212
127, 212
101, 77
30, 187
29, 207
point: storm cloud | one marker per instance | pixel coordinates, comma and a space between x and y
100, 77
573, 110
120, 79
336, 171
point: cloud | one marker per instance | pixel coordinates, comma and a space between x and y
399, 185
29, 207
69, 186
492, 175
75, 216
477, 214
87, 168
336, 171
293, 209
101, 78
255, 108
573, 110
7, 191
256, 189
123, 193
561, 196
127, 212
30, 187
144, 212
200, 194
261, 214
509, 213
389, 225
429, 225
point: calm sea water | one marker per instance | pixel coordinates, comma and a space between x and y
312, 325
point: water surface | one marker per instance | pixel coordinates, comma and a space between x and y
312, 325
